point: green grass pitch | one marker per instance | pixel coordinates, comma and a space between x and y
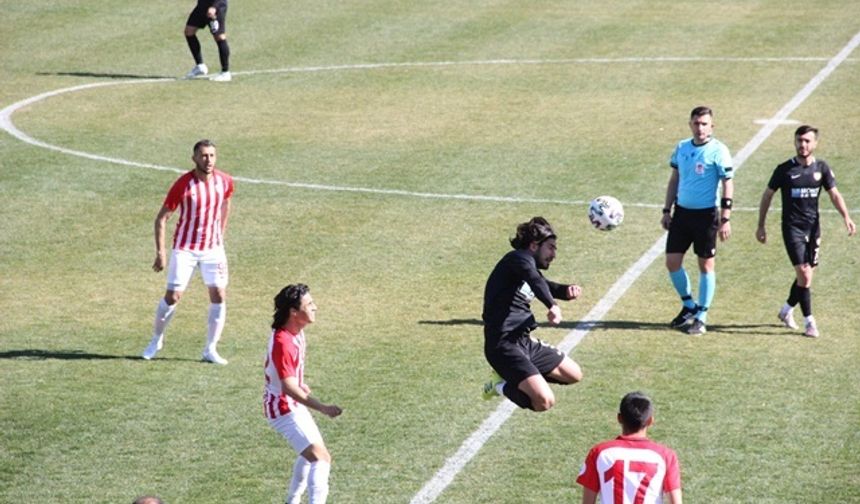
522, 109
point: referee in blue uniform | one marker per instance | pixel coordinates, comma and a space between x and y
800, 179
691, 215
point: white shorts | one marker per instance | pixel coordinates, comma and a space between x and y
212, 263
298, 427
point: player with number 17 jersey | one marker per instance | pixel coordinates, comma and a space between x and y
630, 470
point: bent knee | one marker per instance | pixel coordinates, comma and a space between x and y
543, 403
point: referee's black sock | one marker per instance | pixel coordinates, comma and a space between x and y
194, 45
805, 295
224, 54
517, 396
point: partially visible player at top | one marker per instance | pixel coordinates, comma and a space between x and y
210, 14
523, 365
202, 197
700, 164
631, 468
801, 179
286, 397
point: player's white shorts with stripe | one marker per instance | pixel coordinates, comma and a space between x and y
298, 427
212, 264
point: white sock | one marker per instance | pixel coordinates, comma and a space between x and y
301, 469
163, 314
217, 317
318, 482
810, 320
787, 308
500, 388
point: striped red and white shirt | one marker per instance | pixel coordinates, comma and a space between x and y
630, 470
285, 357
200, 204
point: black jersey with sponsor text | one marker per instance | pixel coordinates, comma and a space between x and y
512, 285
801, 186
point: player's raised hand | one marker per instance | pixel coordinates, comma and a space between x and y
573, 291
554, 315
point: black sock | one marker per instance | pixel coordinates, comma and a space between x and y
224, 54
517, 396
194, 45
805, 295
793, 295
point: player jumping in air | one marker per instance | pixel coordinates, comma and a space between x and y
524, 365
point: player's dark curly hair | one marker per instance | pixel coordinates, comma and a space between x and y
536, 230
635, 410
289, 297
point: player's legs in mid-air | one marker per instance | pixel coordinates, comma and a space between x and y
523, 370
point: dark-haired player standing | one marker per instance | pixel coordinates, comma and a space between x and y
211, 14
287, 399
631, 467
800, 179
523, 364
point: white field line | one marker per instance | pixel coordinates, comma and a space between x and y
7, 124
433, 488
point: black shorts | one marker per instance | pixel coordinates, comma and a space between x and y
802, 244
199, 18
517, 356
696, 227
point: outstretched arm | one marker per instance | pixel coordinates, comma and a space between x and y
290, 386
564, 291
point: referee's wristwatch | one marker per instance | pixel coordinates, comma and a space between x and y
723, 220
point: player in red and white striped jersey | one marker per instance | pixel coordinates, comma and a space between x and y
202, 197
286, 397
631, 469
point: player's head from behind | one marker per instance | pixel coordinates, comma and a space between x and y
805, 140
701, 124
294, 306
538, 237
147, 499
635, 413
204, 156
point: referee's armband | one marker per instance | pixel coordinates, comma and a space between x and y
726, 203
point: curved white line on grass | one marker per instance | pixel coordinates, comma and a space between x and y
433, 488
7, 124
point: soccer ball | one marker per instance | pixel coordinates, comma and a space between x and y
605, 213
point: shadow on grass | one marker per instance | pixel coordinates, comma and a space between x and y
635, 325
37, 354
108, 75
